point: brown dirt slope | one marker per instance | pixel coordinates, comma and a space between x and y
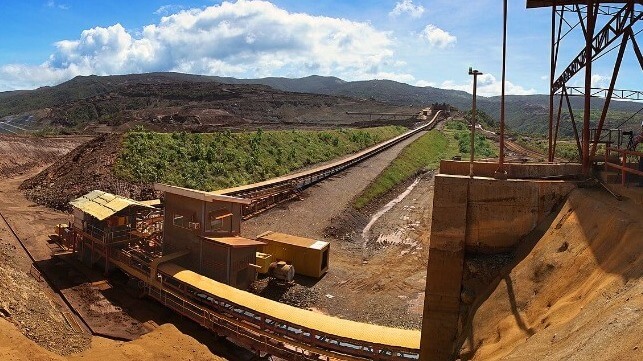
20, 154
577, 296
82, 170
164, 343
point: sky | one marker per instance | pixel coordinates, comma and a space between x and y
422, 43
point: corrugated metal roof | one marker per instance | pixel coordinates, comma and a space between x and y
102, 205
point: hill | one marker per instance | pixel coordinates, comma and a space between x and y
524, 113
128, 164
204, 102
172, 101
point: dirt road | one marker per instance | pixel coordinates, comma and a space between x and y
383, 284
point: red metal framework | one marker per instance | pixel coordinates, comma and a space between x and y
619, 18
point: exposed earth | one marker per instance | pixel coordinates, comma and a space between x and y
576, 295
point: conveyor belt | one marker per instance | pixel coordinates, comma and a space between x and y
369, 333
270, 192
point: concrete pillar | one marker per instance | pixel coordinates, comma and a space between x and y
444, 269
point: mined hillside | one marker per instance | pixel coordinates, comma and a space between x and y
21, 154
129, 164
578, 295
87, 167
170, 102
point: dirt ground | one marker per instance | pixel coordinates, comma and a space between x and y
165, 343
32, 325
363, 283
20, 154
578, 295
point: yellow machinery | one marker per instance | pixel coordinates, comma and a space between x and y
263, 261
308, 256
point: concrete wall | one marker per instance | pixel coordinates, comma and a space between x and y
444, 270
474, 215
500, 213
514, 170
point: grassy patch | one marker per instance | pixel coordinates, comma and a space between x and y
424, 153
484, 148
565, 149
221, 160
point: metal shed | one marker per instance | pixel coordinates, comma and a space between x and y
106, 217
309, 256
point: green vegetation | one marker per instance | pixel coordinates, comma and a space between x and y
565, 149
225, 159
424, 153
482, 118
484, 148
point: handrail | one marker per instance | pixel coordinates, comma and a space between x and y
623, 153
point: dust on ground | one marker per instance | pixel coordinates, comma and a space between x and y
23, 153
164, 343
24, 303
577, 295
80, 171
31, 323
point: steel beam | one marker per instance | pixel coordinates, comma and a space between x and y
591, 23
624, 94
621, 22
610, 91
571, 116
553, 55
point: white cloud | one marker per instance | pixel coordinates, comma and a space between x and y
52, 4
437, 37
600, 81
488, 85
244, 38
168, 9
424, 83
407, 7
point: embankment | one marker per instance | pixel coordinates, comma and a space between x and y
577, 295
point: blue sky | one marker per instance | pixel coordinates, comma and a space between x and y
413, 41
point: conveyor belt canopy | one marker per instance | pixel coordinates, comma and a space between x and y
345, 329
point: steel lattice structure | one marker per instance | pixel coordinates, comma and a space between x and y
619, 18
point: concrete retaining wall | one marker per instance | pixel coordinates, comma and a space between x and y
514, 170
480, 215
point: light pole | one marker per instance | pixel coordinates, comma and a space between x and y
500, 173
475, 74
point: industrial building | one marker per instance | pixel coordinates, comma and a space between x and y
208, 226
103, 221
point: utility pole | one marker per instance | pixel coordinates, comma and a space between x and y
475, 74
501, 173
